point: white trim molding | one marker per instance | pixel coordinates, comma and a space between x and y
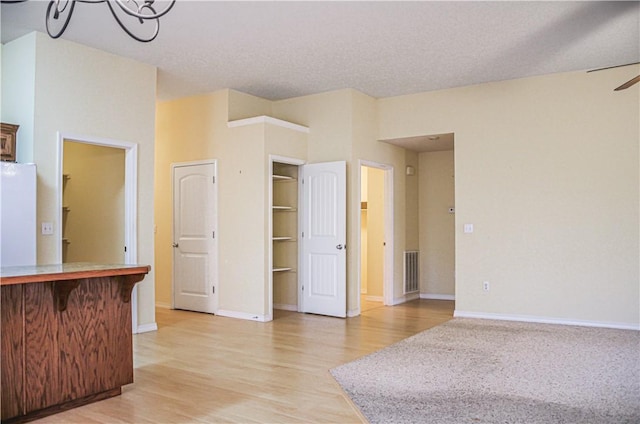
406, 298
244, 315
543, 320
285, 307
374, 298
353, 313
147, 328
437, 296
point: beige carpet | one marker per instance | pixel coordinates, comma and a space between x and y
482, 371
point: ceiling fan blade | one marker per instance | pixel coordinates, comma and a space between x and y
612, 67
628, 83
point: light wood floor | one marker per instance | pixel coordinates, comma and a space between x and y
206, 369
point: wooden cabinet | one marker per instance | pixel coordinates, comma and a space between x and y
66, 337
8, 141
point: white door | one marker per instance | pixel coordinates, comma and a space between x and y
324, 278
194, 208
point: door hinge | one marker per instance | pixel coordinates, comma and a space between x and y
213, 234
303, 234
214, 179
125, 248
213, 289
302, 288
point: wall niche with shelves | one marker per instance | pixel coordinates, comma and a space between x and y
285, 236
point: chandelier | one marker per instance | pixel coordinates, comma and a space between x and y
131, 15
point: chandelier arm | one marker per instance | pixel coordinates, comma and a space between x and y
131, 34
147, 4
66, 20
141, 5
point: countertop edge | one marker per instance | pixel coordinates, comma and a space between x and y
74, 275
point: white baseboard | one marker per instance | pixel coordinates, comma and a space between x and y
163, 305
405, 298
543, 320
374, 298
437, 296
285, 307
353, 313
244, 315
146, 328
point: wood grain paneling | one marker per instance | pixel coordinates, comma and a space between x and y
65, 343
12, 362
88, 340
41, 347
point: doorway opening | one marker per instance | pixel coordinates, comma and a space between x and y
123, 151
92, 193
376, 235
284, 293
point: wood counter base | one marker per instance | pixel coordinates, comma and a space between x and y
62, 407
65, 342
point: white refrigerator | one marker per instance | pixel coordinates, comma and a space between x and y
18, 214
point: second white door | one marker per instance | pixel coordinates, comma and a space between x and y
194, 212
324, 286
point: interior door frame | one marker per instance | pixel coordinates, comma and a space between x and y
389, 235
130, 201
214, 253
298, 163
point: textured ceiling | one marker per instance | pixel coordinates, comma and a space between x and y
279, 50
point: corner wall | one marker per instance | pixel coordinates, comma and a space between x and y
436, 225
102, 96
547, 169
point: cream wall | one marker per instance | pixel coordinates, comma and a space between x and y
185, 130
342, 127
17, 92
242, 106
242, 156
100, 96
367, 148
436, 224
412, 190
547, 171
94, 194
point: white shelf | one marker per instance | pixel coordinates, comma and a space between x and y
282, 238
283, 208
268, 120
277, 178
281, 269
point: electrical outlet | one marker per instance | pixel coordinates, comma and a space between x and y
47, 228
485, 286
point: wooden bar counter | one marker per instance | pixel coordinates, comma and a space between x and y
66, 336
